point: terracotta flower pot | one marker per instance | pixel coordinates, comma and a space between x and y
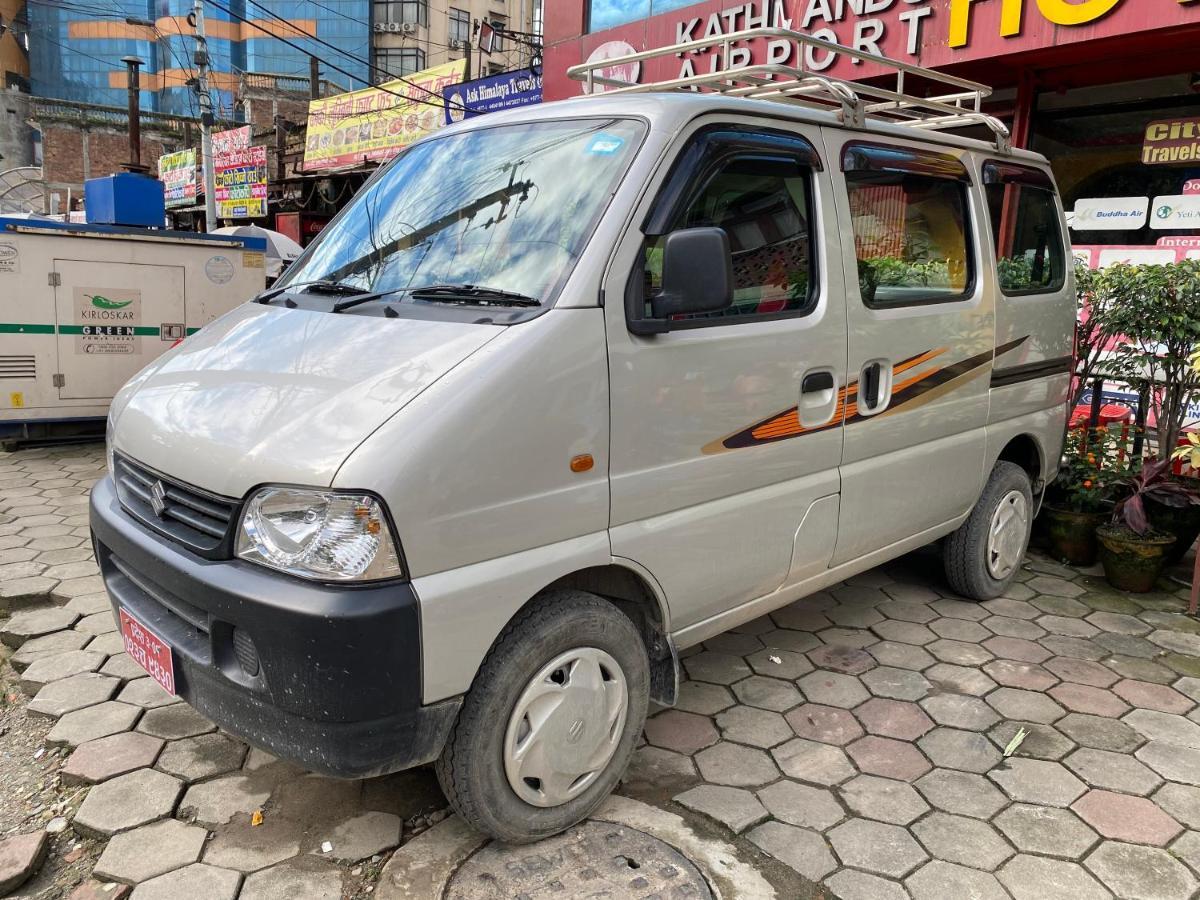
1072, 535
1132, 562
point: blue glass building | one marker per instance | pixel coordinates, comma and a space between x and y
76, 48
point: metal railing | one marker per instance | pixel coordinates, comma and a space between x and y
93, 115
960, 103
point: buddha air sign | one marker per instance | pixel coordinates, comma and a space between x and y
925, 32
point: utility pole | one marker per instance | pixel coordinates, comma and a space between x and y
207, 119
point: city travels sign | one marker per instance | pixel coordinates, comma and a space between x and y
926, 32
375, 124
239, 175
1172, 142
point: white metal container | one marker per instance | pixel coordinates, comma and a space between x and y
83, 308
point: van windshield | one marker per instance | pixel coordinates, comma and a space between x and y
506, 209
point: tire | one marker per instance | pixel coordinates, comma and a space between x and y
472, 767
971, 568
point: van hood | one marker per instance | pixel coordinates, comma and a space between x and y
265, 394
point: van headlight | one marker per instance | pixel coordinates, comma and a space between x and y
325, 535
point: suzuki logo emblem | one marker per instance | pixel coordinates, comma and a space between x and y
158, 498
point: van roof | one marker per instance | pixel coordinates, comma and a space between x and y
672, 110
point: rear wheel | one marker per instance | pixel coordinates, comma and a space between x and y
549, 725
983, 555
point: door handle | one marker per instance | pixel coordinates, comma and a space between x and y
815, 382
870, 384
875, 386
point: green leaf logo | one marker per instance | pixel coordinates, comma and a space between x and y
104, 303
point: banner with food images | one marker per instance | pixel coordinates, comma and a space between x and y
239, 175
375, 124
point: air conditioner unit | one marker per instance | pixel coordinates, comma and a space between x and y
393, 26
409, 28
458, 44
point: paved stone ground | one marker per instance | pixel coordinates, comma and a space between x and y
857, 738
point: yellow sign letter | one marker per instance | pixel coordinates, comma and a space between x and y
960, 20
1060, 12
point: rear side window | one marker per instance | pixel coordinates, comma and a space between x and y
762, 203
1030, 258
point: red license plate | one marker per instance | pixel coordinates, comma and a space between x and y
149, 651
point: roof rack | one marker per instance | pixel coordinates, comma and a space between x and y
961, 106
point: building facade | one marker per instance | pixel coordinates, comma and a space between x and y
76, 50
411, 35
1108, 90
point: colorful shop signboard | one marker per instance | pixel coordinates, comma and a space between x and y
177, 172
492, 94
375, 124
240, 175
935, 33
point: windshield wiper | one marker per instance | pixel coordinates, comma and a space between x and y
321, 286
471, 293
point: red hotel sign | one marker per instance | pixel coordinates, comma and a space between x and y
933, 33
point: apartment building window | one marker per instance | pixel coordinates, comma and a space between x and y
460, 27
402, 12
499, 23
399, 61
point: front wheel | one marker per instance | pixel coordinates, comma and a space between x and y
549, 725
983, 555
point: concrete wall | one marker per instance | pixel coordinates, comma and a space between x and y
16, 136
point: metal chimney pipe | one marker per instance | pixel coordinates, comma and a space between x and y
135, 114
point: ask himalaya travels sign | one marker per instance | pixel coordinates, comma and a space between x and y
491, 94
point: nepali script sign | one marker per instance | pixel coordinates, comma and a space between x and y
375, 124
240, 175
177, 172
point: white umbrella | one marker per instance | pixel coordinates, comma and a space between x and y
280, 248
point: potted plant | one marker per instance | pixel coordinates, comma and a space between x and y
1080, 498
1181, 521
1131, 551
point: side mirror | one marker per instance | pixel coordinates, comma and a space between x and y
697, 273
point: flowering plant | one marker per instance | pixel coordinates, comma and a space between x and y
1093, 464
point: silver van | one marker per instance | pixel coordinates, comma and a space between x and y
569, 389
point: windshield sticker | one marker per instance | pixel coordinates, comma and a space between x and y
605, 144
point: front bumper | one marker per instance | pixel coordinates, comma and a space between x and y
328, 676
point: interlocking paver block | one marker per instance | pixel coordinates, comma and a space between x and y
703, 698
1124, 818
902, 632
734, 808
896, 684
1076, 648
1055, 587
108, 757
1009, 608
1027, 706
363, 835
1038, 781
174, 722
1177, 642
649, 766
796, 641
1094, 701
60, 697
960, 711
900, 656
889, 758
910, 603
1187, 848
101, 720
204, 756
146, 693
959, 653
1100, 733
1082, 671
194, 881
1068, 625
143, 853
939, 880
248, 848
735, 765
47, 645
825, 724
961, 840
1037, 878
1182, 801
849, 884
294, 882
961, 793
801, 849
898, 719
55, 668
953, 679
960, 630
960, 609
951, 748
1189, 687
716, 667
20, 857
1003, 626
1118, 623
126, 802
876, 847
1046, 831
833, 689
1141, 873
768, 693
734, 642
1153, 696
217, 802
35, 623
1171, 761
883, 799
756, 727
1024, 675
123, 667
847, 660
682, 732
801, 804
813, 762
1113, 771
1040, 741
1160, 726
786, 664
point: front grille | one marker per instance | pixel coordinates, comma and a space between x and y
201, 521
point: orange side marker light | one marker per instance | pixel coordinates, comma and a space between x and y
582, 463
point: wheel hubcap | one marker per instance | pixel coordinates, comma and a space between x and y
565, 727
1006, 537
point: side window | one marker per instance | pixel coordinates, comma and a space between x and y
1030, 258
910, 238
762, 203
